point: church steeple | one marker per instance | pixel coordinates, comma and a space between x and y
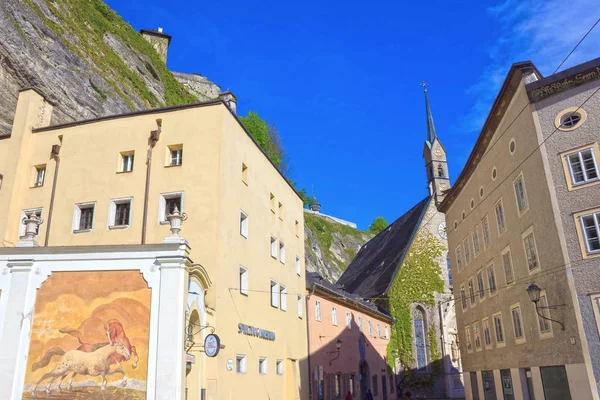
435, 157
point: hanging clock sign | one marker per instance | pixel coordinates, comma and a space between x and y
212, 345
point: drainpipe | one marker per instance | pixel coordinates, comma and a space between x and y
53, 154
154, 136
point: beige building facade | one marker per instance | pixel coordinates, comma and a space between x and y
513, 221
113, 181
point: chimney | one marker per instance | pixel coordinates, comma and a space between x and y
159, 40
229, 99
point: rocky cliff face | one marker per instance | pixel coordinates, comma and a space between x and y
83, 58
330, 246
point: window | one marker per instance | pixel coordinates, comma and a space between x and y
508, 268
487, 336
477, 336
555, 383
458, 259
168, 203
334, 316
583, 166
471, 291
420, 339
1, 179
274, 294
262, 365
243, 281
348, 320
387, 332
318, 310
468, 339
480, 285
467, 247
175, 155
244, 224
280, 210
244, 173
512, 146
498, 329
491, 273
475, 237
273, 247
485, 226
494, 173
83, 220
590, 224
272, 202
517, 322
391, 383
240, 363
337, 385
375, 386
370, 324
530, 251
360, 327
570, 119
119, 213
299, 306
378, 330
297, 226
34, 211
40, 175
521, 194
351, 384
279, 365
127, 161
282, 252
543, 309
500, 217
298, 266
463, 297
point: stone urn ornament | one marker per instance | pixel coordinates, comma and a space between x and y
176, 219
32, 223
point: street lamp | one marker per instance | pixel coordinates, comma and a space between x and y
338, 346
534, 295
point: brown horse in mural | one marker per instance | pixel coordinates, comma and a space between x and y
95, 363
115, 333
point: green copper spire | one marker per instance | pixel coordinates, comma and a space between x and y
431, 135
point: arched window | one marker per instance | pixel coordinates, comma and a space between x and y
440, 171
419, 328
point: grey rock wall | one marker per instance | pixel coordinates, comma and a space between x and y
198, 85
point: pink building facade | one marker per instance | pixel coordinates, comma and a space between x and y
347, 340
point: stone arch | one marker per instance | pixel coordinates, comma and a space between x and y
196, 331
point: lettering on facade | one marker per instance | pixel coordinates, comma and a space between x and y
570, 82
253, 331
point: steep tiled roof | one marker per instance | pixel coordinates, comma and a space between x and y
373, 269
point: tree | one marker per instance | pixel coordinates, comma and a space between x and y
378, 225
259, 130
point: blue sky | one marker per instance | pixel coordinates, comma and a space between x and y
341, 80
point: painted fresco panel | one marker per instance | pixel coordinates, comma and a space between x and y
93, 323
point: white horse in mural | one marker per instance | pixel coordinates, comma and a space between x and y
96, 363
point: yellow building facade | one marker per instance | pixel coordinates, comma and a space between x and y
112, 181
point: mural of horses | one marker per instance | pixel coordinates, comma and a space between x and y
95, 363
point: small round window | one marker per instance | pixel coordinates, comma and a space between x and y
494, 173
512, 146
481, 192
463, 215
570, 119
455, 224
472, 204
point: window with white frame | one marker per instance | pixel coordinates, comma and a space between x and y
590, 225
243, 224
530, 251
299, 306
348, 320
500, 217
175, 155
127, 161
477, 336
317, 310
360, 326
40, 175
370, 328
240, 363
32, 211
282, 252
458, 258
491, 274
475, 237
298, 267
273, 243
282, 298
83, 218
487, 335
274, 294
583, 166
467, 247
378, 330
468, 339
262, 365
119, 213
280, 367
517, 322
463, 297
480, 285
544, 322
498, 328
168, 203
485, 226
521, 194
471, 291
243, 280
334, 316
508, 268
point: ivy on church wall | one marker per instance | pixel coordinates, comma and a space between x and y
417, 281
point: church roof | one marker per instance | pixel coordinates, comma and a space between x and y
374, 268
431, 134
